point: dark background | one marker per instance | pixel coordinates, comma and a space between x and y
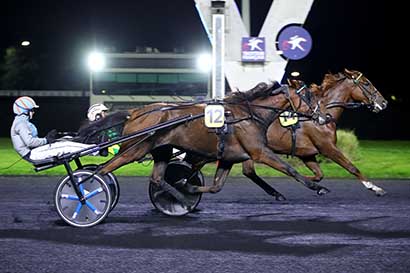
362, 35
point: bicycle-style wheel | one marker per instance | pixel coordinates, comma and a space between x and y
96, 204
177, 174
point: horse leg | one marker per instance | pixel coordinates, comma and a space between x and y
161, 158
132, 153
313, 165
248, 169
196, 162
222, 172
157, 178
333, 153
220, 177
266, 156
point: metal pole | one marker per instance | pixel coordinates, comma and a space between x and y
218, 49
246, 15
91, 82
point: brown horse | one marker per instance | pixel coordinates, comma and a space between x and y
250, 114
336, 93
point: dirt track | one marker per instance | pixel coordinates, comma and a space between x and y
240, 229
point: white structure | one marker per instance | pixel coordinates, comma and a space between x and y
244, 76
218, 49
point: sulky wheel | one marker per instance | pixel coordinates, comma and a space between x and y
175, 173
97, 203
112, 181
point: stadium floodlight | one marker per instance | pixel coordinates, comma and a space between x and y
204, 62
295, 74
96, 61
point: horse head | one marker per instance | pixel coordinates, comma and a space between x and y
364, 91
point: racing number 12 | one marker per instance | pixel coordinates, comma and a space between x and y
214, 116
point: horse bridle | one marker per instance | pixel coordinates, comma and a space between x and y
370, 96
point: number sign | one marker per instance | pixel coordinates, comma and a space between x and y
214, 116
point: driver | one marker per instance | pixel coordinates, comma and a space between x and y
98, 112
24, 135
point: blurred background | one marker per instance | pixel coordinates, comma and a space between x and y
44, 46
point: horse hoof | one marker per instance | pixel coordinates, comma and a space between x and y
322, 191
381, 192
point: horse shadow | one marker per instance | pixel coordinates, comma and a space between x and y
262, 234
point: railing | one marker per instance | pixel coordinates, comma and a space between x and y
45, 93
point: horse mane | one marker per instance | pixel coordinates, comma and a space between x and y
88, 131
316, 89
330, 80
261, 90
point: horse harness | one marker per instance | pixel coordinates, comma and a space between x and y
291, 114
371, 96
290, 119
226, 129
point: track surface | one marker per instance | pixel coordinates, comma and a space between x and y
240, 229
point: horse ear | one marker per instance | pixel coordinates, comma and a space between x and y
295, 83
349, 72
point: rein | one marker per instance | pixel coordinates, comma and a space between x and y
353, 105
302, 116
173, 107
246, 103
285, 90
347, 105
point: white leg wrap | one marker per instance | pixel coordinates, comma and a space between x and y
369, 185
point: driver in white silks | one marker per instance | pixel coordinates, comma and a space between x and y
25, 138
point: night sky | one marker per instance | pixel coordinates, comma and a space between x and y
353, 34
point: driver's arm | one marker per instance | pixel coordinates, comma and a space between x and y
25, 133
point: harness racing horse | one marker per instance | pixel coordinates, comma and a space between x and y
337, 92
250, 114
